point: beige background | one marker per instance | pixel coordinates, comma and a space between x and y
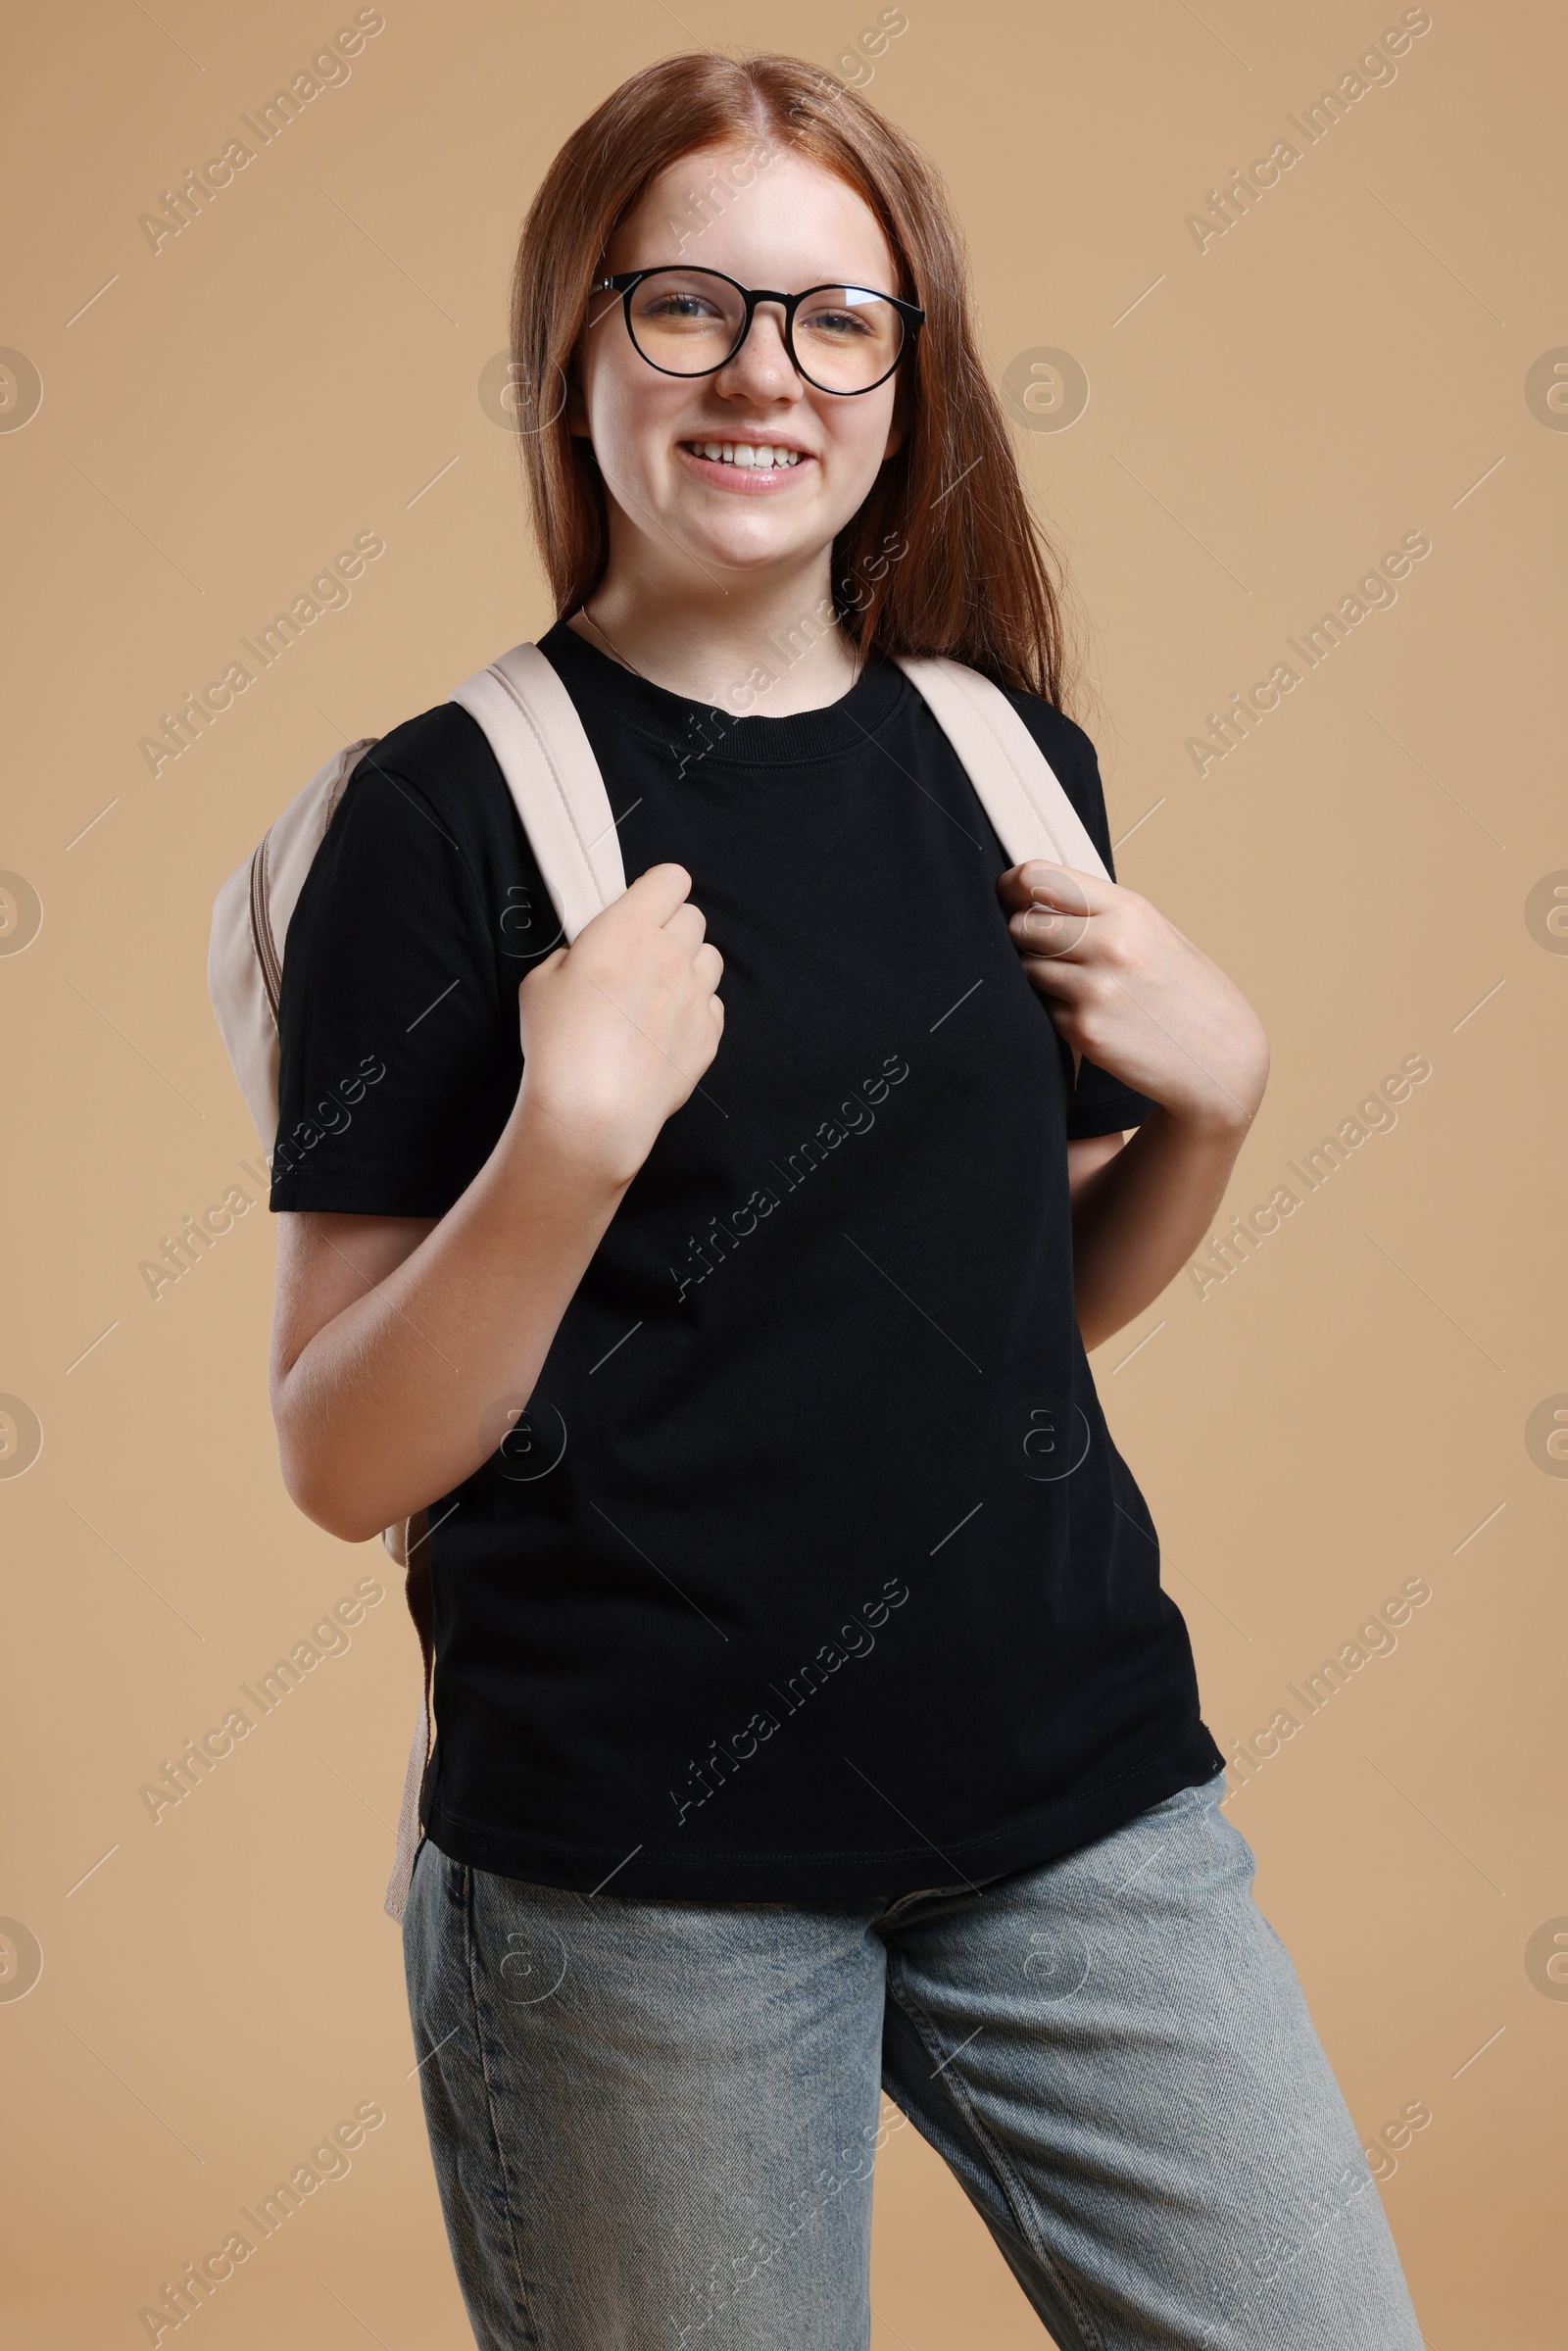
1348, 1410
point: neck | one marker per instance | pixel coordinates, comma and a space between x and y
765, 647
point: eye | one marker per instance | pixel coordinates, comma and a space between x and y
842, 324
668, 304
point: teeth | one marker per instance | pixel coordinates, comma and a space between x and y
747, 454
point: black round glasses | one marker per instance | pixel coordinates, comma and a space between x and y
843, 339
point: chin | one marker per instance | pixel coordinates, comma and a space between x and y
754, 546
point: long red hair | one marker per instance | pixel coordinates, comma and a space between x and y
974, 577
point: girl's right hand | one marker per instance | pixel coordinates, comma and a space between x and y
619, 1028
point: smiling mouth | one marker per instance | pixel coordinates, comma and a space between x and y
748, 457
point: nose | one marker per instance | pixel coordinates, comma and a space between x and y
762, 367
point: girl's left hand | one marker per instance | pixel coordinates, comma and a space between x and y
1129, 990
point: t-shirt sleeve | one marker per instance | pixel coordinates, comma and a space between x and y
400, 1061
1100, 1104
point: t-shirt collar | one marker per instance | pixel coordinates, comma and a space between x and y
727, 737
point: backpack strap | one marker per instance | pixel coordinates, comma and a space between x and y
553, 779
1013, 780
549, 766
250, 924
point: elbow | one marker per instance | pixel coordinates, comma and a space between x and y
316, 1488
334, 1514
317, 1498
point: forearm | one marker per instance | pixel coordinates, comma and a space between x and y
400, 1396
1137, 1219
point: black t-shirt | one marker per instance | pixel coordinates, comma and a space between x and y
812, 1572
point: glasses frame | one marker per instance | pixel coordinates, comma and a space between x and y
626, 281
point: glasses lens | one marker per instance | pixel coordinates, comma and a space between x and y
685, 321
846, 338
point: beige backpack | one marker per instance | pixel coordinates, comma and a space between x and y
538, 740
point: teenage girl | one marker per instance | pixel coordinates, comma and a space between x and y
810, 1717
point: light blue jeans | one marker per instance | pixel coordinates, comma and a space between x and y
654, 2123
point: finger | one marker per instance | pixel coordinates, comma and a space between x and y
1039, 882
550, 962
1062, 982
688, 924
1045, 930
707, 966
1060, 1003
655, 894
